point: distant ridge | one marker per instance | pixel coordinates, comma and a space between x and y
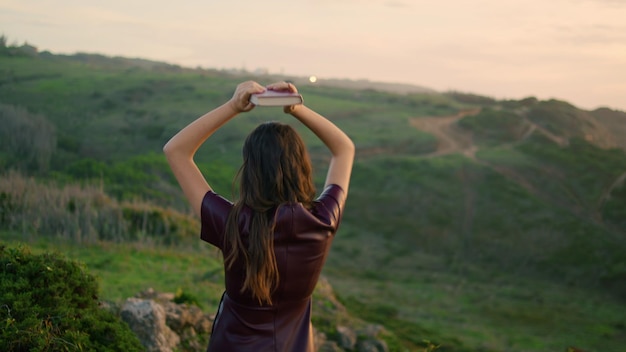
615, 121
360, 84
344, 83
400, 88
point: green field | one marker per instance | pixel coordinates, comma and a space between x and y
515, 242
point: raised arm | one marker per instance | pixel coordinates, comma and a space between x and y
181, 148
340, 145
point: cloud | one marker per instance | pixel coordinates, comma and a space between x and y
618, 3
397, 4
592, 35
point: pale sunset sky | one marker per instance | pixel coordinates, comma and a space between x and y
573, 50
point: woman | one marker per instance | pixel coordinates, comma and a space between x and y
276, 237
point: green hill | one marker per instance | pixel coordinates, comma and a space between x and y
477, 223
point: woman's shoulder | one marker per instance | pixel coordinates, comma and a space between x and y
214, 212
332, 193
215, 203
327, 209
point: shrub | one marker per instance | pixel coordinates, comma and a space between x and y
184, 297
493, 127
29, 139
165, 226
49, 303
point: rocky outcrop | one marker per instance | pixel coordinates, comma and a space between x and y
147, 319
165, 326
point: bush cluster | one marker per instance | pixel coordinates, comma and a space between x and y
27, 140
49, 303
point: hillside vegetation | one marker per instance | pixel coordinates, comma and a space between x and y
475, 223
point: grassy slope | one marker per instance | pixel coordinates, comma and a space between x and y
507, 251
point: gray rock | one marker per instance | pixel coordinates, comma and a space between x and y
330, 346
346, 337
319, 338
150, 293
146, 319
371, 330
372, 346
164, 326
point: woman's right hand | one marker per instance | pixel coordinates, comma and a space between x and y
240, 101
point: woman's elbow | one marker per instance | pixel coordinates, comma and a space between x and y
349, 149
351, 146
169, 148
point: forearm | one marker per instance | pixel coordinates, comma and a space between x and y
332, 136
340, 145
181, 148
186, 142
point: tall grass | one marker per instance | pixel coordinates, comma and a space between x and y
85, 213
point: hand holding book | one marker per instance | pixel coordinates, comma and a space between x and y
276, 98
240, 100
278, 94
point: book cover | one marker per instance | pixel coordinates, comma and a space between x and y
276, 98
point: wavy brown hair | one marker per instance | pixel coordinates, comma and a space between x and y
276, 170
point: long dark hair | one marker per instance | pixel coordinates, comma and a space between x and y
276, 170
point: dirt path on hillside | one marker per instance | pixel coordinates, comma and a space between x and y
607, 193
450, 139
551, 136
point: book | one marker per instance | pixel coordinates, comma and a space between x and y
276, 98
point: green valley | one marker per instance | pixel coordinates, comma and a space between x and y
473, 223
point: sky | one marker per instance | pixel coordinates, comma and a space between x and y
572, 50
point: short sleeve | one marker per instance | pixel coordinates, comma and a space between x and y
213, 215
328, 207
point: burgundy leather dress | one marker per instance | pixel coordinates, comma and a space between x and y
302, 239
